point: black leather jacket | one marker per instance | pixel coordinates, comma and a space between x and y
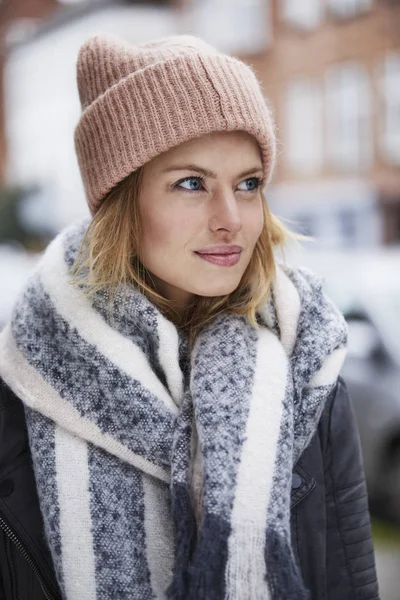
330, 519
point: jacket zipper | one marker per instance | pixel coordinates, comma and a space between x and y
11, 536
10, 563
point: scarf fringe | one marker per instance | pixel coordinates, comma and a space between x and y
283, 574
199, 578
246, 565
207, 581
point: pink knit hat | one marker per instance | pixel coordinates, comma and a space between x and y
139, 101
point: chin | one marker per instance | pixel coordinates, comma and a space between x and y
217, 290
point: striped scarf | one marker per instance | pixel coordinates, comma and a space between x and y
164, 473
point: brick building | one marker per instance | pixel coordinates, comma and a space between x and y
332, 73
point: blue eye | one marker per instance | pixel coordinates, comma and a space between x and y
195, 184
255, 183
197, 180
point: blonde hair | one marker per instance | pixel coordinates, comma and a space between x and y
109, 257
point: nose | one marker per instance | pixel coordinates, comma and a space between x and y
225, 214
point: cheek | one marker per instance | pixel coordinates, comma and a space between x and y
254, 223
161, 233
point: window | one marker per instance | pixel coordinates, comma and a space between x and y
348, 118
348, 8
348, 225
390, 94
304, 127
302, 14
21, 29
391, 216
234, 26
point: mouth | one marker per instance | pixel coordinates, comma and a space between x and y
223, 256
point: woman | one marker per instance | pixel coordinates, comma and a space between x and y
189, 434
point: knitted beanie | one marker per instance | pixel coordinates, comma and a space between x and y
139, 101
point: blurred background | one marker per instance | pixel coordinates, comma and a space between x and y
331, 70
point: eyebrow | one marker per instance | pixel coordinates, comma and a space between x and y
206, 172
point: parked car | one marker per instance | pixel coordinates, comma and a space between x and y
366, 287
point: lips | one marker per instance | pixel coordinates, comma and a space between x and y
223, 256
222, 249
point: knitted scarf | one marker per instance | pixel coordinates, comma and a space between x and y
163, 473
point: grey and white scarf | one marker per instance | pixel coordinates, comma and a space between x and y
164, 474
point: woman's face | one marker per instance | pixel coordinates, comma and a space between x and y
201, 215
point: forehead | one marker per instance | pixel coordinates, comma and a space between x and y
232, 146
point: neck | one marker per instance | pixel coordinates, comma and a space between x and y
180, 299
